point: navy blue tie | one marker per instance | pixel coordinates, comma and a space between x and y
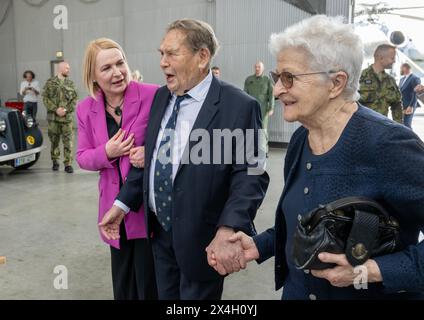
163, 170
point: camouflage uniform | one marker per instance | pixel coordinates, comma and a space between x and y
60, 93
379, 91
261, 89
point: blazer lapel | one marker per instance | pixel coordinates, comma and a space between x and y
98, 116
131, 110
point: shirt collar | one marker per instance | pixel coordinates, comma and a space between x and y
200, 91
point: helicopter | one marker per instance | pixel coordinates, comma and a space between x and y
381, 23
378, 22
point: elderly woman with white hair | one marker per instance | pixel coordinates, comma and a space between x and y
341, 150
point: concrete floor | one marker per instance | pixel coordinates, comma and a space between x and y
49, 219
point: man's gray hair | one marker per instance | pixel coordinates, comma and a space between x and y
331, 45
199, 34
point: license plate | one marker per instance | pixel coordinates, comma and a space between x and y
24, 160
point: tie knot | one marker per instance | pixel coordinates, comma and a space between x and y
181, 98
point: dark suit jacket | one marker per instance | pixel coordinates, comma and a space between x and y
206, 196
409, 97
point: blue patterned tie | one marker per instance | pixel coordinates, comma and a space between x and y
163, 170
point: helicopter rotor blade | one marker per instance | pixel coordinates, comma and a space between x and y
406, 8
406, 16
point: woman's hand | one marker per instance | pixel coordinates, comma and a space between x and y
344, 275
117, 147
137, 157
250, 252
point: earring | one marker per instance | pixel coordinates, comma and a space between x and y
94, 81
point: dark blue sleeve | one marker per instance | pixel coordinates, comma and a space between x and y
131, 193
401, 179
248, 185
265, 244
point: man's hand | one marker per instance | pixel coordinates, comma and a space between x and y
137, 157
109, 226
223, 255
419, 89
117, 146
250, 250
343, 274
408, 110
61, 112
270, 112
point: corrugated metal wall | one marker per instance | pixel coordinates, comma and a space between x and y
145, 23
243, 28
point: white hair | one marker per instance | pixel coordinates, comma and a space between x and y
331, 44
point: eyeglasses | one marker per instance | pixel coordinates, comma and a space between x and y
287, 77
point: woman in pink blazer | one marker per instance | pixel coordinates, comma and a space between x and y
112, 121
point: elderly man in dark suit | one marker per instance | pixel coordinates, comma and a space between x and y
197, 190
409, 97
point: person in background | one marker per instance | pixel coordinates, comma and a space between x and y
30, 90
111, 121
216, 72
260, 87
378, 89
136, 76
419, 89
407, 83
60, 97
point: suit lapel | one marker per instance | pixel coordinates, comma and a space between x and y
405, 82
206, 114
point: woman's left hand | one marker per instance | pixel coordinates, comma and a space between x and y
137, 157
344, 275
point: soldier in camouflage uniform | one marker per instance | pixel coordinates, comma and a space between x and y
60, 97
378, 89
260, 87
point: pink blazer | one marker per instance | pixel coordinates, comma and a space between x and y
91, 153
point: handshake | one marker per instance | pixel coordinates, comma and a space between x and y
230, 252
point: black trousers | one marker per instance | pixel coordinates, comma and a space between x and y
133, 274
172, 283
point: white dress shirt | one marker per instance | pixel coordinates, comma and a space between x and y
187, 115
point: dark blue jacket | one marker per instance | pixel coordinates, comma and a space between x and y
409, 96
207, 196
379, 159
